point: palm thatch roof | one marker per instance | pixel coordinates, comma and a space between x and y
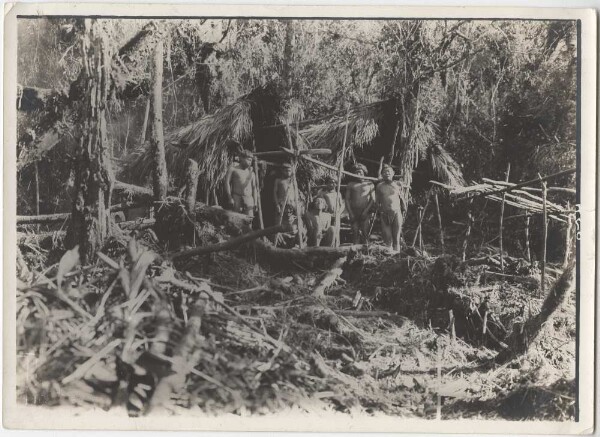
371, 130
444, 167
363, 127
212, 140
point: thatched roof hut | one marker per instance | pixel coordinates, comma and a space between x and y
212, 140
253, 121
372, 129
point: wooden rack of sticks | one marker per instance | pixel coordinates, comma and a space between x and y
519, 195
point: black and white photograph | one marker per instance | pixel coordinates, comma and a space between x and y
242, 216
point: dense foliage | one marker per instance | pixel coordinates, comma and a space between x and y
491, 92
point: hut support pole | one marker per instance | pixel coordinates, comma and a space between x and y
257, 186
502, 223
421, 215
393, 145
468, 232
439, 217
37, 189
527, 248
298, 209
339, 186
545, 224
295, 188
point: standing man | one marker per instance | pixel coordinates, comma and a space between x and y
284, 195
389, 203
359, 202
240, 185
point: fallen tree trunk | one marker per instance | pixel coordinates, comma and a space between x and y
524, 280
309, 257
519, 340
330, 277
229, 244
42, 218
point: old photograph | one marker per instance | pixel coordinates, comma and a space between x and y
251, 216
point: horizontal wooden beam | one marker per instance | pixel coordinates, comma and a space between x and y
520, 185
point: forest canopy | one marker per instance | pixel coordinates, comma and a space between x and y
490, 92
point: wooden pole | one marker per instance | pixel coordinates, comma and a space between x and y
145, 124
468, 232
158, 141
335, 169
393, 145
417, 230
37, 189
439, 217
527, 247
520, 185
545, 224
502, 222
421, 215
296, 191
258, 196
339, 186
568, 239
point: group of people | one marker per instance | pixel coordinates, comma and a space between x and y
362, 201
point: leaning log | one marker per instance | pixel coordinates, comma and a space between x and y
229, 244
309, 257
520, 339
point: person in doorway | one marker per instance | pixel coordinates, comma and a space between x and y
240, 185
359, 203
318, 224
389, 203
284, 195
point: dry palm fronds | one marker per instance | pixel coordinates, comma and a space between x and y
363, 128
211, 141
445, 168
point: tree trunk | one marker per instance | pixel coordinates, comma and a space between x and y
288, 55
93, 173
157, 140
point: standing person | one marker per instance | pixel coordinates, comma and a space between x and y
284, 195
359, 202
240, 185
318, 224
330, 195
389, 203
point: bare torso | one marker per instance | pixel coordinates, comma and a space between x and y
388, 196
283, 190
241, 181
330, 198
360, 194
